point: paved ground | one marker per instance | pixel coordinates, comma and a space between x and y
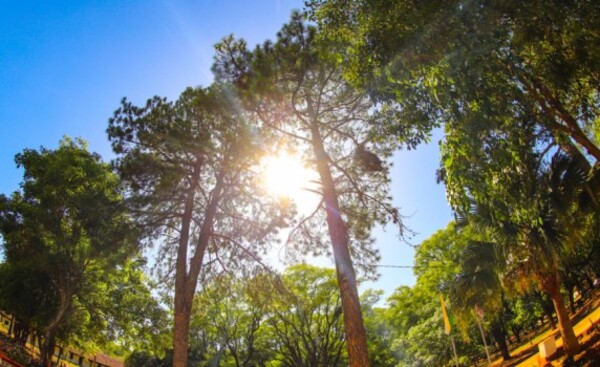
584, 324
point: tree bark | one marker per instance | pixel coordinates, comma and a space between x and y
186, 280
551, 284
556, 112
546, 308
590, 284
181, 331
47, 344
499, 333
182, 308
20, 331
356, 336
517, 333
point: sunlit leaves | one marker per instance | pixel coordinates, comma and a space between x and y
66, 229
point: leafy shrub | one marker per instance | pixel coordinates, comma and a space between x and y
14, 351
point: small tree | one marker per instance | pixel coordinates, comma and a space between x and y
227, 319
479, 286
303, 324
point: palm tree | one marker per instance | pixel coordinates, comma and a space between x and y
479, 284
543, 219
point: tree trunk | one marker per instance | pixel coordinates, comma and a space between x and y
517, 333
20, 331
59, 357
187, 280
551, 284
590, 284
547, 310
47, 347
564, 324
182, 308
47, 344
356, 336
556, 112
181, 331
551, 319
499, 334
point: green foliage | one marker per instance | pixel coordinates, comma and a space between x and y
479, 283
304, 322
290, 320
425, 344
437, 259
461, 263
145, 359
379, 330
150, 359
533, 229
226, 323
405, 307
502, 76
62, 233
26, 294
527, 312
417, 336
122, 314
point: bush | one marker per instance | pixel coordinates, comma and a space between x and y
14, 351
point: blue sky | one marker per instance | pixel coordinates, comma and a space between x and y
65, 65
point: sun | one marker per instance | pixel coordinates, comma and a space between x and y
285, 176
